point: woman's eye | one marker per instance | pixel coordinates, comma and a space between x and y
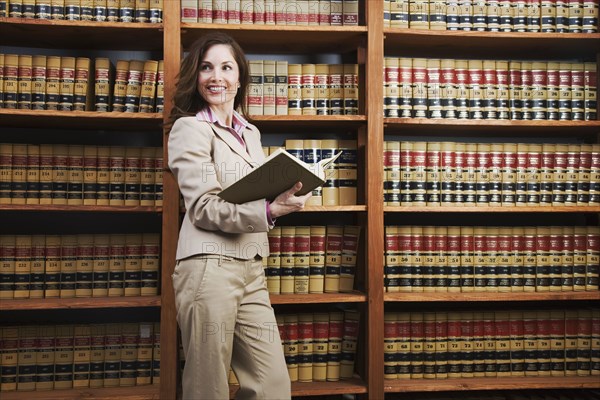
205, 67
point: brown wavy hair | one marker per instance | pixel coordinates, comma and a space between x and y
187, 100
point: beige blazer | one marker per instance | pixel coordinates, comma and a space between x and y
206, 159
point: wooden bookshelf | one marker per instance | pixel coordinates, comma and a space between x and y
508, 383
295, 123
283, 39
334, 208
62, 208
146, 392
509, 45
492, 296
63, 34
79, 303
321, 298
350, 386
487, 209
82, 120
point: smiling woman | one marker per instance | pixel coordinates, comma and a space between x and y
219, 281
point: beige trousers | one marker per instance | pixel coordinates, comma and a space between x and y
226, 319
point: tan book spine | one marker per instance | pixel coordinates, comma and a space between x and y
462, 186
90, 174
334, 345
97, 349
571, 338
467, 344
269, 88
63, 367
11, 77
349, 343
255, 88
103, 73
517, 338
330, 192
100, 265
117, 174
547, 174
7, 266
595, 345
584, 174
84, 265
416, 259
544, 343
83, 86
584, 342
516, 259
479, 259
317, 259
287, 259
72, 10
156, 11
336, 89
24, 75
26, 374
143, 375
86, 10
572, 174
132, 176
189, 10
312, 153
533, 173
156, 355
68, 266
120, 85
592, 258
134, 86
391, 171
294, 89
489, 339
429, 345
417, 340
103, 176
66, 84
281, 87
116, 266
321, 89
129, 344
515, 90
555, 259
19, 174
38, 83
390, 345
476, 89
158, 176
112, 354
567, 251
418, 173
126, 10
81, 356
404, 354
75, 174
333, 258
33, 174
5, 172
447, 174
133, 264
406, 155
305, 347
441, 345
290, 345
150, 264
148, 89
38, 256
434, 89
404, 273
9, 358
22, 266
428, 270
52, 267
147, 176
349, 257
530, 343
350, 89
160, 88
503, 342
542, 259
100, 10
452, 252
46, 335
273, 269
142, 11
557, 343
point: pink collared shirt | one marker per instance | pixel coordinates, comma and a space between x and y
238, 125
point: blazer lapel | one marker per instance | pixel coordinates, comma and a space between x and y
233, 143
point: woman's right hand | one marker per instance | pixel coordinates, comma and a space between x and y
287, 202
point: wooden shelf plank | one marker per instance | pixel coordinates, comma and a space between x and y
283, 39
146, 392
463, 127
354, 297
80, 303
510, 45
460, 384
334, 208
80, 120
350, 386
299, 123
487, 209
67, 208
491, 296
62, 34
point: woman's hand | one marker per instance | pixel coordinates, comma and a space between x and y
287, 202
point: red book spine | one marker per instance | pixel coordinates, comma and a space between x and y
417, 247
405, 268
540, 86
417, 339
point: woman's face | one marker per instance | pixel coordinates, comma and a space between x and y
219, 76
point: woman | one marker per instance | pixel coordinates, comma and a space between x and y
223, 306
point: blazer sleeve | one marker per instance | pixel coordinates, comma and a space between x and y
189, 151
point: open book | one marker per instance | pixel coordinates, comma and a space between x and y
278, 173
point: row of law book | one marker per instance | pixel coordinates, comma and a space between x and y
489, 89
562, 16
271, 12
319, 346
477, 344
491, 259
85, 10
88, 175
38, 82
536, 394
342, 181
76, 356
79, 266
491, 174
312, 259
280, 88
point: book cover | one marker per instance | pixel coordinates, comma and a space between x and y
52, 267
334, 345
273, 269
333, 258
278, 173
33, 174
68, 266
305, 347
63, 366
27, 358
75, 174
66, 84
81, 356
301, 259
22, 266
18, 191
317, 259
287, 259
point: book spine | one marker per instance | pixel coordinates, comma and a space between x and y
349, 257
504, 260
38, 83
567, 258
24, 75
287, 259
158, 176
281, 87
117, 175
133, 265
404, 354
530, 259
406, 162
33, 174
66, 84
84, 266
150, 260
542, 272
544, 355
595, 175
81, 356
495, 175
132, 176
19, 174
38, 253
479, 259
577, 91
564, 91
490, 100
269, 94
134, 86
82, 90
547, 174
333, 258
301, 259
555, 259
75, 175
321, 89
329, 193
517, 343
116, 265
112, 354
429, 345
63, 367
6, 162
336, 89
273, 270
532, 170
557, 343
317, 259
100, 265
592, 258
440, 263
572, 174
22, 267
305, 347
390, 343
591, 84
350, 91
433, 174
461, 178
148, 89
27, 358
517, 248
467, 259
320, 339
416, 259
143, 373
448, 88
